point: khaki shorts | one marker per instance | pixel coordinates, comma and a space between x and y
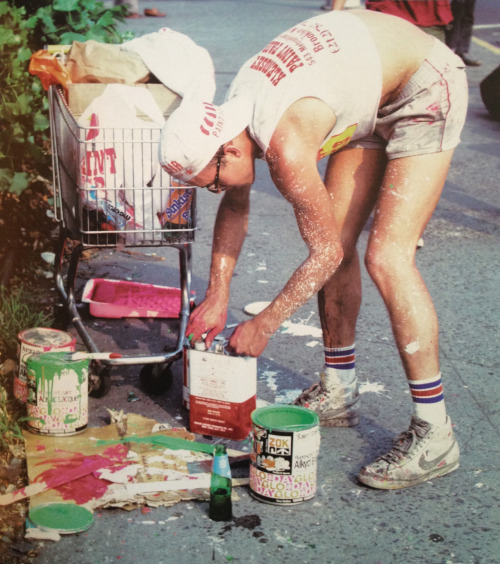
429, 113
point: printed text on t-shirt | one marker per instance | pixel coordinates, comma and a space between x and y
292, 50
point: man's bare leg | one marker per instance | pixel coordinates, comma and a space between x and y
353, 178
410, 192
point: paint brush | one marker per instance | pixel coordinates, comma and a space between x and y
91, 356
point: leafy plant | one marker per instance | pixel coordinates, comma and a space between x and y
65, 21
17, 312
10, 430
26, 27
23, 118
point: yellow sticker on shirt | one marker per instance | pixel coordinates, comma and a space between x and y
337, 142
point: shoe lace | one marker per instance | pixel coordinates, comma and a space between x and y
404, 442
400, 447
311, 393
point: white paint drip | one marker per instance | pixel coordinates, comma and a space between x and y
372, 387
284, 540
301, 330
121, 476
287, 396
412, 348
270, 379
312, 344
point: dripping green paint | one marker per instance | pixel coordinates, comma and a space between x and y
57, 399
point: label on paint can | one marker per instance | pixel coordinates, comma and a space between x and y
57, 401
36, 341
284, 454
222, 393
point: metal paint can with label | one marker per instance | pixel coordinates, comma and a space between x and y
57, 401
37, 341
284, 454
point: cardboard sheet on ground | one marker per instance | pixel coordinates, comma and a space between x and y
129, 469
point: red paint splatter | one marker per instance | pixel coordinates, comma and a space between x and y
85, 488
40, 447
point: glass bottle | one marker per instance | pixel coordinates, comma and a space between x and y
220, 508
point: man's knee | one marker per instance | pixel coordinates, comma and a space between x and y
383, 261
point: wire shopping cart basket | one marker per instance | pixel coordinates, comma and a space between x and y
109, 193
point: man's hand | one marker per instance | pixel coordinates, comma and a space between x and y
209, 317
249, 339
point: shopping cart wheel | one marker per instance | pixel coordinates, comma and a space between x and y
99, 381
156, 379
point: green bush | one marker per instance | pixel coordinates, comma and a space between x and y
23, 118
26, 27
65, 21
17, 312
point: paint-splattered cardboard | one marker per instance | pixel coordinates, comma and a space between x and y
123, 464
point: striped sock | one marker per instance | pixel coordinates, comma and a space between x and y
339, 366
428, 399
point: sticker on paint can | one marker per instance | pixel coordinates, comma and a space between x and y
284, 459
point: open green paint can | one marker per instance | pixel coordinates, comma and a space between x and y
284, 454
57, 400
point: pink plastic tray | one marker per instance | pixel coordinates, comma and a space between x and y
120, 298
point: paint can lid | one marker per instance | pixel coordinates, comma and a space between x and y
285, 418
46, 337
64, 518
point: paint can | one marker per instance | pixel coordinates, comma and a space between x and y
57, 401
284, 454
37, 341
222, 392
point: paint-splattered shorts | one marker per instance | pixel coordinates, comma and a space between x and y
429, 113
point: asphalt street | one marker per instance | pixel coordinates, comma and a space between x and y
452, 520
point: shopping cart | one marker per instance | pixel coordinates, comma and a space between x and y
108, 193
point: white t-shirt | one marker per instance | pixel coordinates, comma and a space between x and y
331, 57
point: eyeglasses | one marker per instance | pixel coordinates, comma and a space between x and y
214, 187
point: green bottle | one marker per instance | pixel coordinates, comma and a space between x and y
220, 508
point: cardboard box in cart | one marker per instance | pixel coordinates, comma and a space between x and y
220, 392
81, 94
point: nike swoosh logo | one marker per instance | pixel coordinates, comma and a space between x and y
426, 464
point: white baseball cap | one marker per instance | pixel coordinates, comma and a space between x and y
194, 132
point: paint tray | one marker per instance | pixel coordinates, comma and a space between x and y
121, 298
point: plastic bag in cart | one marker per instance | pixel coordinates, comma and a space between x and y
119, 167
49, 69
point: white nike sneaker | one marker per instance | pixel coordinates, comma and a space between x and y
423, 452
333, 405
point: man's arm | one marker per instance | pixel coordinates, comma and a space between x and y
229, 233
292, 158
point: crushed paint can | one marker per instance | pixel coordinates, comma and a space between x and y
37, 341
220, 391
57, 402
284, 454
